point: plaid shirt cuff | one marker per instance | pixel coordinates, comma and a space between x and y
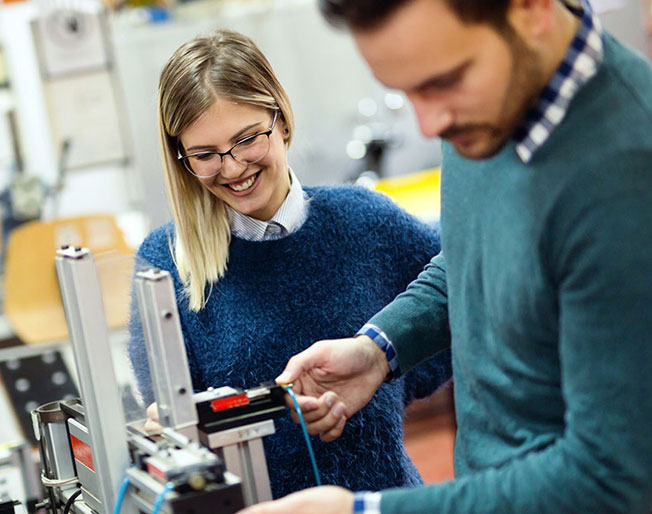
380, 338
365, 502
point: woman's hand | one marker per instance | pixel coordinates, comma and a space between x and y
152, 425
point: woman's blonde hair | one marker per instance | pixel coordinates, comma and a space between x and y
227, 65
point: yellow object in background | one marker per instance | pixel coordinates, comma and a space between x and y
418, 193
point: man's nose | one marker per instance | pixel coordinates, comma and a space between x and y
433, 116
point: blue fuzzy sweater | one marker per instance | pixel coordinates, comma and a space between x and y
355, 252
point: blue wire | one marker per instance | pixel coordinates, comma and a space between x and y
121, 495
160, 497
305, 434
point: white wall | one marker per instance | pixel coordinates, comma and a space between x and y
623, 18
106, 188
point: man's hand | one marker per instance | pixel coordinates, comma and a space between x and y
333, 380
318, 500
152, 425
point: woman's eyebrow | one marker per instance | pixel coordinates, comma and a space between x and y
242, 132
234, 139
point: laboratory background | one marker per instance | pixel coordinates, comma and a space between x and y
80, 166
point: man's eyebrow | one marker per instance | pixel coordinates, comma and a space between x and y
444, 79
234, 138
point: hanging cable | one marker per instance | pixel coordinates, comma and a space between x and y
160, 497
52, 482
71, 500
121, 495
288, 388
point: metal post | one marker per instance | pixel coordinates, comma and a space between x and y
166, 352
82, 301
244, 456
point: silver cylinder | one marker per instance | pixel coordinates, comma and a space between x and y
51, 432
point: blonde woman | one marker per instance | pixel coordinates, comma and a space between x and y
263, 266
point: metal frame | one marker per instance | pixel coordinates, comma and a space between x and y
82, 301
166, 354
103, 425
244, 456
241, 447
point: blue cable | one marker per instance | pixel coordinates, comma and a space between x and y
160, 497
305, 433
121, 495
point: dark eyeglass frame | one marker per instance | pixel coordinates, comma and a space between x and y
186, 165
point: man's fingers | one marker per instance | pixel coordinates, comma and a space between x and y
328, 422
306, 403
319, 408
311, 408
320, 415
301, 363
334, 432
317, 500
293, 369
323, 420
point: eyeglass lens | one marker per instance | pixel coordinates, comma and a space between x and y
249, 151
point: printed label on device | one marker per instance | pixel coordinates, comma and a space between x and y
229, 403
82, 452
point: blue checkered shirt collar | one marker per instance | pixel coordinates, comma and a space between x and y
288, 218
579, 65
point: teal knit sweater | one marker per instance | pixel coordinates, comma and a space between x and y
546, 286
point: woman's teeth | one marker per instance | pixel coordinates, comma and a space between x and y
244, 185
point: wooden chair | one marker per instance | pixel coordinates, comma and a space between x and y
32, 301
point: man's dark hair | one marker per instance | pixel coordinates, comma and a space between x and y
367, 14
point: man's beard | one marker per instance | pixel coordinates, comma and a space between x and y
522, 91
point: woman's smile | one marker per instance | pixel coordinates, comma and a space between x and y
244, 187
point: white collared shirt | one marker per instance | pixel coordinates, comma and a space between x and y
289, 217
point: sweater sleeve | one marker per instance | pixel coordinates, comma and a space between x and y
419, 243
601, 258
416, 322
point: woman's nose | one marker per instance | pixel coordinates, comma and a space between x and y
231, 168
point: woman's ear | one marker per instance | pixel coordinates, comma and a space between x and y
286, 132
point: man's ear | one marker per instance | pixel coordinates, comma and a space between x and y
531, 19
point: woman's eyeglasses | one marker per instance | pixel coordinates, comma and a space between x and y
249, 150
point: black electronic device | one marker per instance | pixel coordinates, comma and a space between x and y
224, 408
